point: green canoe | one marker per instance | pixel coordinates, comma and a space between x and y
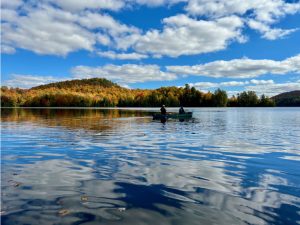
159, 116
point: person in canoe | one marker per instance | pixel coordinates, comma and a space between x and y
181, 110
163, 110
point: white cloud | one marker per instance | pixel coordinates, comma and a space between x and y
8, 14
183, 35
253, 81
274, 89
28, 81
233, 83
103, 39
232, 93
204, 85
207, 85
127, 73
58, 27
11, 4
269, 33
153, 3
263, 10
261, 13
214, 8
78, 5
104, 21
112, 30
45, 29
273, 34
122, 56
240, 68
7, 49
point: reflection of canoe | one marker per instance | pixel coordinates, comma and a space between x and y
159, 116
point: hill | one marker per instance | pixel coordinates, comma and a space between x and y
71, 93
100, 82
291, 98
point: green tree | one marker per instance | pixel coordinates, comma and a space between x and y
247, 99
266, 101
220, 98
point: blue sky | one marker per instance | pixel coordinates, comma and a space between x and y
229, 44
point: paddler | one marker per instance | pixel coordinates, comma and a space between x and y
163, 110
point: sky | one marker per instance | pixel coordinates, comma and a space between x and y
229, 44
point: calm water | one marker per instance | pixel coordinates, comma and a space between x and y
225, 166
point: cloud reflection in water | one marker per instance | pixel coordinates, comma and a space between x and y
231, 166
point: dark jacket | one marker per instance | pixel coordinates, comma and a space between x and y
163, 110
181, 110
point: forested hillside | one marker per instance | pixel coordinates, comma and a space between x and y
287, 99
99, 92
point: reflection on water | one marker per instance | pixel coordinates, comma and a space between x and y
226, 166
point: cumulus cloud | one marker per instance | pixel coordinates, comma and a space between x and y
28, 81
58, 27
45, 29
183, 35
206, 85
269, 33
262, 10
11, 4
253, 81
92, 20
274, 89
127, 73
233, 83
7, 49
153, 3
104, 39
261, 13
78, 5
122, 56
240, 68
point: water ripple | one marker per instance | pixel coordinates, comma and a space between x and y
229, 166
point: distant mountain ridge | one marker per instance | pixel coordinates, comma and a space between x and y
291, 98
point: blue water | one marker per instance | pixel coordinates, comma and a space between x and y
91, 166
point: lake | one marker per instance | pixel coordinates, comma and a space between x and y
118, 166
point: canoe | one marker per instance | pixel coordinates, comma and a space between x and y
159, 116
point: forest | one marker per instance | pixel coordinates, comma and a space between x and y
100, 92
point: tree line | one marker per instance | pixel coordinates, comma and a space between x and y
103, 93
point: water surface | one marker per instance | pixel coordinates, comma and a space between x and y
110, 166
